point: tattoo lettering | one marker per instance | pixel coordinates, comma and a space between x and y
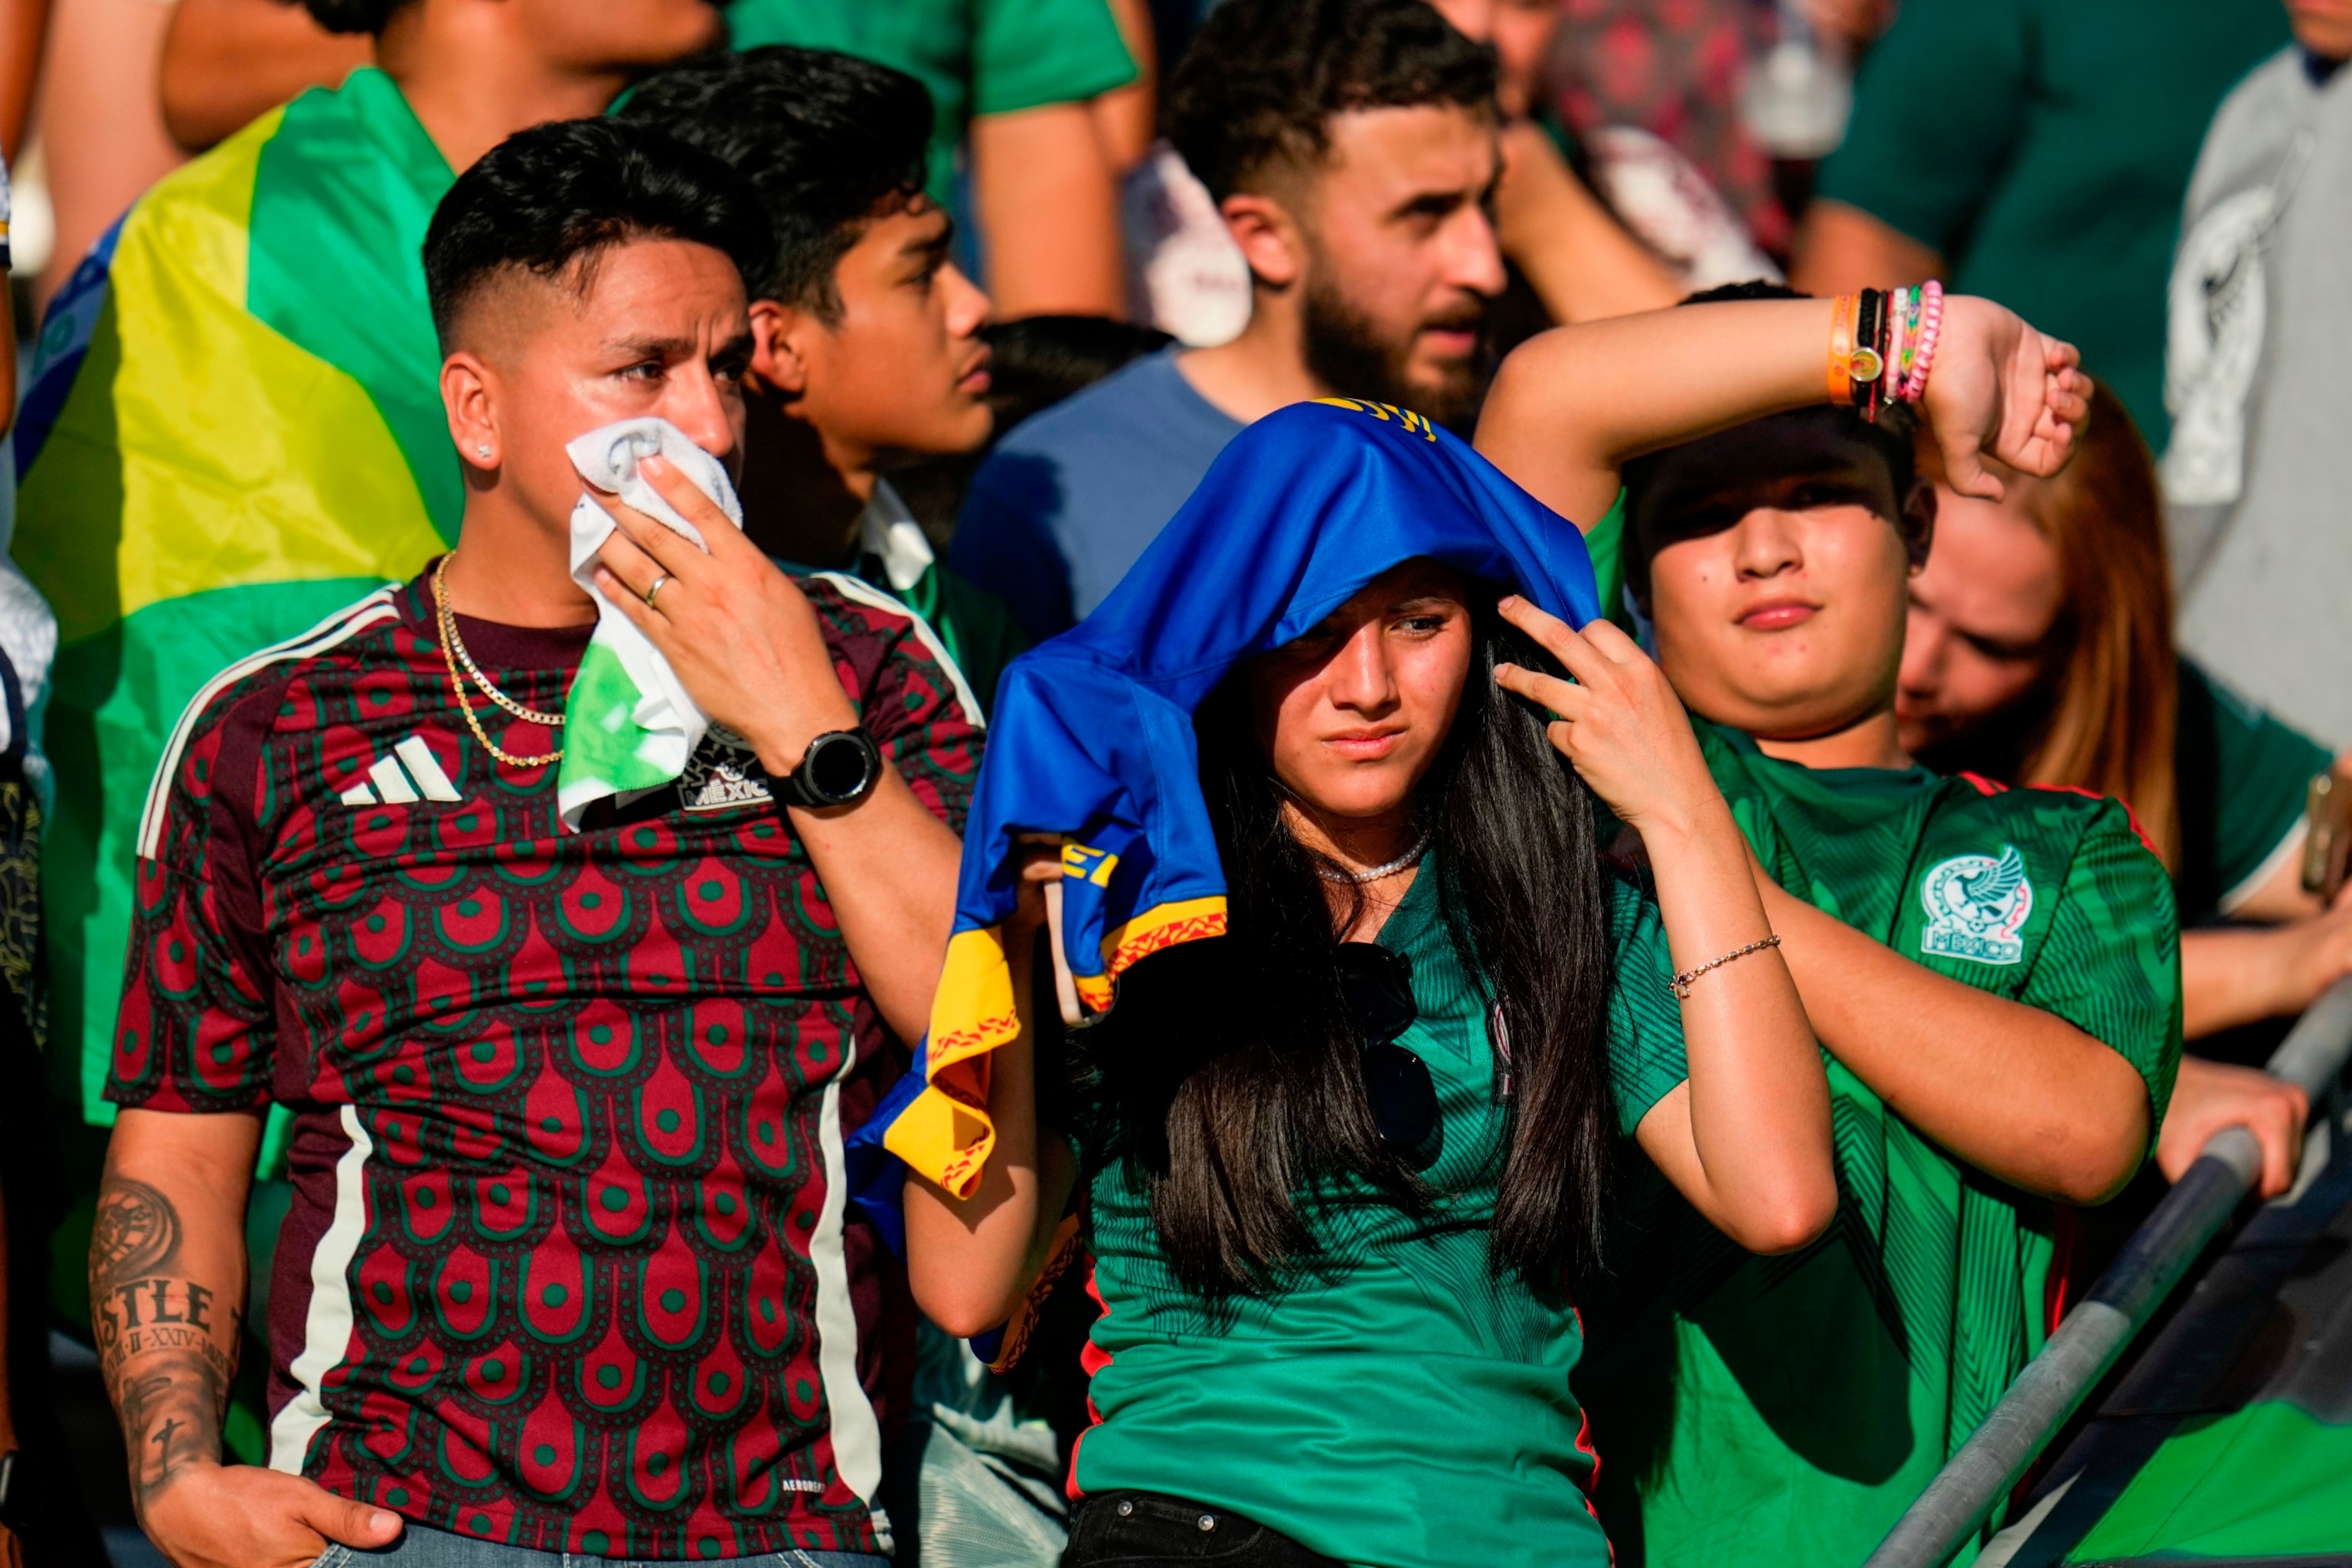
156, 1328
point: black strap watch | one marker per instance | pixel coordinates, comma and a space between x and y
840, 767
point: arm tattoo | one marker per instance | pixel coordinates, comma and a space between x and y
159, 1335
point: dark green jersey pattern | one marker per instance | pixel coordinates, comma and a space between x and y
1788, 1409
2241, 776
1403, 1407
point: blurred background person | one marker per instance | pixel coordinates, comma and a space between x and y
2261, 383
100, 131
1350, 145
2034, 151
1018, 83
1676, 72
1038, 96
2037, 653
24, 32
1561, 243
226, 62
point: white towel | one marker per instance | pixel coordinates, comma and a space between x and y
628, 725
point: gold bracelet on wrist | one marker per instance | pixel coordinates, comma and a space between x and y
1681, 984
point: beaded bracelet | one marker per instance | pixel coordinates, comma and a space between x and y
1931, 323
1898, 341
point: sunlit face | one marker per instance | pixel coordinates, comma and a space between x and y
1786, 622
901, 368
659, 330
619, 34
2322, 27
1982, 612
1404, 255
1352, 714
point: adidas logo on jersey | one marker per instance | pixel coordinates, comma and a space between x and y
409, 773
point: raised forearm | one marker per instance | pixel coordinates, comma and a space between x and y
889, 869
2018, 1093
969, 1260
1581, 261
1747, 1139
1570, 407
1048, 207
226, 62
167, 1284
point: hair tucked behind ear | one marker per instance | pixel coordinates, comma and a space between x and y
1231, 1064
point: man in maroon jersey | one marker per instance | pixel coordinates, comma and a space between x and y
569, 1269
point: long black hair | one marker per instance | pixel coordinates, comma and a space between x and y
1230, 1066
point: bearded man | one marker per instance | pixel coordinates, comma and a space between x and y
1351, 148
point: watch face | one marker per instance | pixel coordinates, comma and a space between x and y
837, 767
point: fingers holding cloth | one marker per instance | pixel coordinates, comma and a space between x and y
629, 722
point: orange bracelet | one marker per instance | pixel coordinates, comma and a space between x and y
1841, 369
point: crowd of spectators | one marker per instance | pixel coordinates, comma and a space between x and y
478, 1158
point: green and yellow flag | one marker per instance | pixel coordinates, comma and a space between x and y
234, 428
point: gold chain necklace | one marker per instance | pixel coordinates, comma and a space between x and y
453, 652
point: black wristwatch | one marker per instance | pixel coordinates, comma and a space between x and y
840, 767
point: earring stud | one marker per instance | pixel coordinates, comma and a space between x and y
483, 451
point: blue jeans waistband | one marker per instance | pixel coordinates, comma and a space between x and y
419, 1547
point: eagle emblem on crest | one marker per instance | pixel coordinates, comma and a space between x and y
1975, 906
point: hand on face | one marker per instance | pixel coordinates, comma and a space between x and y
740, 635
2002, 389
1618, 722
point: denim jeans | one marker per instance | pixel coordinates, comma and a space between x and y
421, 1548
1147, 1530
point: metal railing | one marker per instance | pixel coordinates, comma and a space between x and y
1976, 1478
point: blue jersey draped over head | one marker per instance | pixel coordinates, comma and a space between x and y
1092, 738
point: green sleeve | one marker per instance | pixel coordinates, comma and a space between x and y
981, 633
1605, 544
1028, 53
1646, 1021
1938, 102
2111, 964
2242, 778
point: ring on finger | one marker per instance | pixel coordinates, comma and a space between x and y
655, 589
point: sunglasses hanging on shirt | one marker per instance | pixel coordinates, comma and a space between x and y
1376, 987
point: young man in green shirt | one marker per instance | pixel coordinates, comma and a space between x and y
1992, 973
869, 351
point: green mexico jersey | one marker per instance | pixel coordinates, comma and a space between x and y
1788, 1409
1401, 1406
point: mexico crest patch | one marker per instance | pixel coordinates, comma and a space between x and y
1975, 906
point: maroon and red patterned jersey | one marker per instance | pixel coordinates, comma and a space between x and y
568, 1264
